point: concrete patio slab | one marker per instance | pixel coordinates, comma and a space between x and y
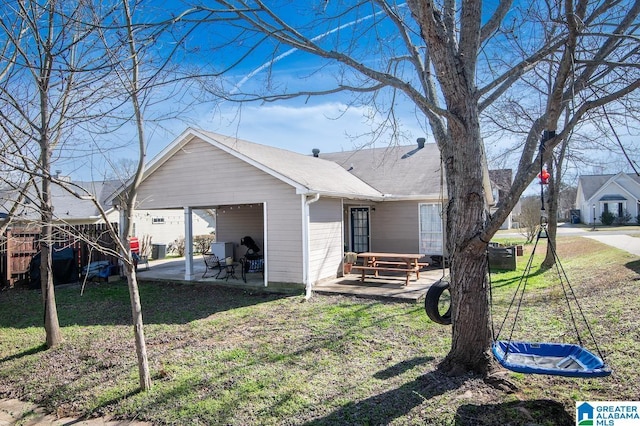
388, 287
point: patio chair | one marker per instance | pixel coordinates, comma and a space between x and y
212, 262
250, 265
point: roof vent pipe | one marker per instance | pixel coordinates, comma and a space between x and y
316, 152
421, 142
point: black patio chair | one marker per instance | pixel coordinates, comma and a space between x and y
255, 264
212, 262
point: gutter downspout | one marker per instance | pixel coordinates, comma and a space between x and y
307, 244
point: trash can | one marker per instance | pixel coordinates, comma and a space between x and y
158, 251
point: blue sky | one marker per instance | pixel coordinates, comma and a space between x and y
328, 123
300, 125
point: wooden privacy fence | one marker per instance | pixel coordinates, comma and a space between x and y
20, 244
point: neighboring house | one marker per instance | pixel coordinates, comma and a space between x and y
618, 194
303, 211
163, 226
501, 180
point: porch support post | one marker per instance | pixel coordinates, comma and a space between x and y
188, 244
265, 236
306, 242
123, 237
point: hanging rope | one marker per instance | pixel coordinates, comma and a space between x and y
526, 353
442, 218
567, 289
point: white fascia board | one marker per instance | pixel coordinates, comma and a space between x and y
601, 191
419, 197
330, 194
160, 158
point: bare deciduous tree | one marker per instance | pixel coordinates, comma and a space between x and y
454, 61
58, 56
529, 217
48, 73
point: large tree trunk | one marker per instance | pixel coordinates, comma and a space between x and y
466, 217
51, 324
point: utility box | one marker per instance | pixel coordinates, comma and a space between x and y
502, 258
222, 250
158, 251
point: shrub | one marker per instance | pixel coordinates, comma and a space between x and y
350, 257
607, 218
624, 219
202, 243
177, 246
145, 245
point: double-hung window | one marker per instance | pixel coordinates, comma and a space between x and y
431, 230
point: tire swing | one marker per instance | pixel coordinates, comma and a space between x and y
559, 359
433, 305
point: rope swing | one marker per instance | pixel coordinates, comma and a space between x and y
560, 359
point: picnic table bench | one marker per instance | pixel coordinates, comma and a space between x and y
406, 263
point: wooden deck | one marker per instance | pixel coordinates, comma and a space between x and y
382, 287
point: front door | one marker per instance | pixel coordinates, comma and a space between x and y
360, 229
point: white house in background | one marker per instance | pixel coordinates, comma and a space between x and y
501, 180
618, 194
164, 226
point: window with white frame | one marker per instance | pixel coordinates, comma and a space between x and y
430, 224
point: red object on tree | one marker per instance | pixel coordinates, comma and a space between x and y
544, 177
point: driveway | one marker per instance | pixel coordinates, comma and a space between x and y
624, 238
623, 242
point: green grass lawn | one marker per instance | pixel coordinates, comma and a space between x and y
224, 356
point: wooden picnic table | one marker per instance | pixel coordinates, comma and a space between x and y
391, 262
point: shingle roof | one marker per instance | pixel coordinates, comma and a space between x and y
66, 206
308, 173
399, 171
592, 183
501, 179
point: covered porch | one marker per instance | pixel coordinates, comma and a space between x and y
389, 287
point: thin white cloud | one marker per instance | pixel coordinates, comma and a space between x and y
329, 126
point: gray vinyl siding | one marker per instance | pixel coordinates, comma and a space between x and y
325, 239
394, 227
202, 176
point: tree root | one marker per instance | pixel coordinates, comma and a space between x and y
498, 379
493, 375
